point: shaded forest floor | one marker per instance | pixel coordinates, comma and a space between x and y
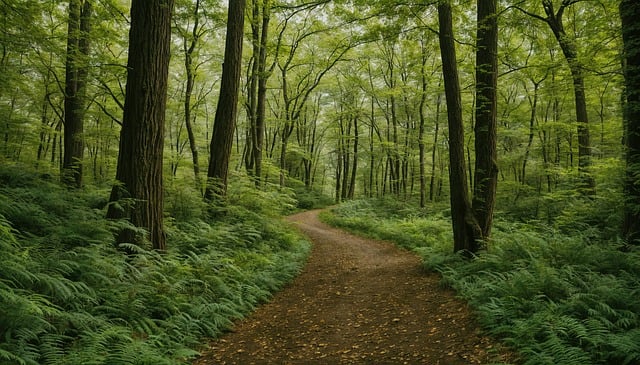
357, 301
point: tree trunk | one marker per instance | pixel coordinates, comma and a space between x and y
75, 83
569, 49
486, 167
138, 194
532, 122
345, 138
354, 166
465, 229
260, 77
421, 111
225, 119
435, 149
630, 13
191, 77
372, 159
338, 174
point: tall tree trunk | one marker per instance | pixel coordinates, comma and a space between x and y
569, 49
75, 83
434, 150
252, 88
263, 77
258, 85
339, 173
486, 167
138, 191
225, 119
354, 166
630, 15
191, 78
284, 143
372, 159
465, 229
345, 138
421, 111
532, 123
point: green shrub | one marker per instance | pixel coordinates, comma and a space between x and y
69, 296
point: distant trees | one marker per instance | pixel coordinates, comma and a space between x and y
349, 102
138, 191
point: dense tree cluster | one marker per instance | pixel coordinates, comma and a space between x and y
342, 97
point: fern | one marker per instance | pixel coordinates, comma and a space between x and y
68, 295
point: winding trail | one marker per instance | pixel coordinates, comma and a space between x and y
357, 301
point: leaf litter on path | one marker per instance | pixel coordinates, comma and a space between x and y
357, 301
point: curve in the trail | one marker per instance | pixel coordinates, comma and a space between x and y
357, 301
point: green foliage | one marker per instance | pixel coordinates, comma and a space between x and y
312, 199
68, 295
554, 297
558, 295
392, 220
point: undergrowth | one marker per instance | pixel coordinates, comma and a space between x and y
69, 296
556, 293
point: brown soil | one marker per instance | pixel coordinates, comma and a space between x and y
357, 301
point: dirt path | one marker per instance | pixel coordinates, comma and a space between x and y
357, 301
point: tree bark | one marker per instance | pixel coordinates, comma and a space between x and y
421, 111
79, 27
261, 15
226, 113
532, 122
263, 77
486, 167
354, 165
138, 192
630, 15
434, 150
191, 79
465, 229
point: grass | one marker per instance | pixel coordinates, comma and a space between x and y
554, 293
69, 296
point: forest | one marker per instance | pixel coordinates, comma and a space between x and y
150, 150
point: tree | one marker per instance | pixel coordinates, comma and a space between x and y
421, 111
79, 27
568, 45
225, 119
190, 43
138, 192
465, 227
257, 86
630, 16
486, 167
